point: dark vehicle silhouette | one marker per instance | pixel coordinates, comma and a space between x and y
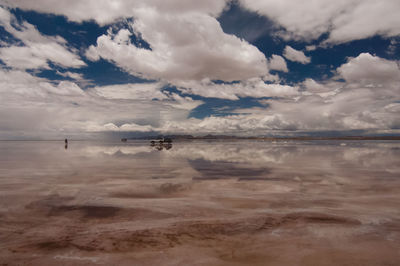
161, 143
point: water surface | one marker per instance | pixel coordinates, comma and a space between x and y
200, 203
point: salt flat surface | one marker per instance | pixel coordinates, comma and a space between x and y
200, 203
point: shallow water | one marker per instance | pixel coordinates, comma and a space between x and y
200, 203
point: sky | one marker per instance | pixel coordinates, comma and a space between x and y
112, 68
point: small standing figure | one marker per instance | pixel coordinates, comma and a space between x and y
66, 144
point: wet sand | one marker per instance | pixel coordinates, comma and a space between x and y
200, 203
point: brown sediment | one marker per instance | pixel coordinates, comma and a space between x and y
88, 211
53, 245
54, 206
310, 217
184, 232
165, 190
108, 214
251, 204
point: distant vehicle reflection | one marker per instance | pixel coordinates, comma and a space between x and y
162, 143
162, 146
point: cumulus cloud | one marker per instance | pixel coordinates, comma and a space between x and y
71, 75
277, 62
329, 105
131, 127
236, 124
105, 11
189, 50
322, 89
37, 49
311, 47
189, 46
142, 91
33, 107
255, 87
295, 55
367, 68
345, 20
367, 100
15, 82
175, 58
181, 102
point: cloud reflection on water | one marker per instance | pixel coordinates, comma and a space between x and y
308, 191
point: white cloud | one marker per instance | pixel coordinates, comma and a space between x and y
321, 88
144, 91
105, 11
312, 86
367, 68
367, 100
45, 109
255, 87
393, 46
189, 46
311, 47
237, 124
295, 55
72, 75
190, 50
277, 62
37, 50
32, 107
37, 55
141, 91
346, 20
20, 83
131, 127
180, 102
365, 19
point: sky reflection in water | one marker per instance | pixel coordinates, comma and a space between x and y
124, 187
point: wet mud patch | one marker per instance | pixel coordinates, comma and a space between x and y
286, 202
166, 190
53, 245
170, 188
88, 211
194, 233
46, 203
310, 217
108, 214
55, 207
